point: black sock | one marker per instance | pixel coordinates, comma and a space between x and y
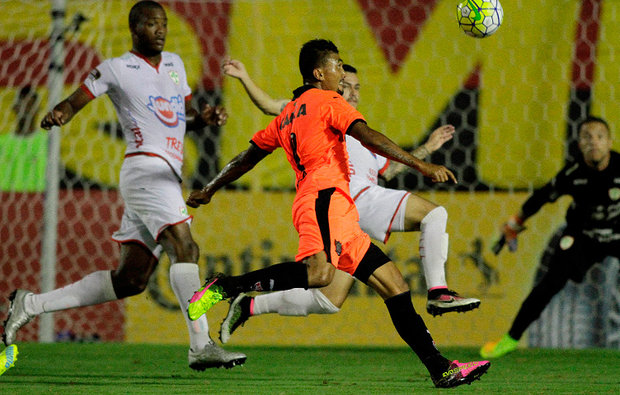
278, 277
413, 331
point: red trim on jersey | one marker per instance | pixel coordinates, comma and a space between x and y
137, 242
87, 91
167, 225
360, 192
389, 229
129, 155
384, 168
155, 66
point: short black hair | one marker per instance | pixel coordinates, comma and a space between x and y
592, 118
136, 11
312, 55
349, 69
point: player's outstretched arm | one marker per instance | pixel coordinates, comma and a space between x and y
237, 167
380, 144
259, 97
435, 141
515, 224
66, 109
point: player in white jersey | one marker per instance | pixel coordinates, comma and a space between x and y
149, 90
381, 210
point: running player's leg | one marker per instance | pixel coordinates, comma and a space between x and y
431, 220
377, 271
292, 302
302, 302
558, 262
385, 210
156, 213
313, 271
97, 287
183, 252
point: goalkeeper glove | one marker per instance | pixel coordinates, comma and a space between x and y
509, 231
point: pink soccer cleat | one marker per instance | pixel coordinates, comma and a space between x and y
461, 373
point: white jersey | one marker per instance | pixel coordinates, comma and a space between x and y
364, 166
149, 102
381, 210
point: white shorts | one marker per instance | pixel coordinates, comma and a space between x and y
153, 201
381, 210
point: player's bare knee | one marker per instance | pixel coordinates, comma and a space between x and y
181, 250
189, 251
321, 276
320, 272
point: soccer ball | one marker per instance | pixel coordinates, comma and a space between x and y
479, 18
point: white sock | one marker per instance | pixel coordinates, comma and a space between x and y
295, 302
93, 289
184, 280
434, 247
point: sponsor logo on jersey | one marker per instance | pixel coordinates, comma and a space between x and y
169, 64
133, 66
168, 111
174, 76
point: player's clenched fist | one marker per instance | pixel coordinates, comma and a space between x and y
54, 118
198, 198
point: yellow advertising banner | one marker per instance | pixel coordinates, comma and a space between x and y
242, 231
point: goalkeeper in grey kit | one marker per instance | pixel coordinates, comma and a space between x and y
592, 230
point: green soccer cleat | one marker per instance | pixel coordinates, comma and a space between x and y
8, 356
499, 348
205, 298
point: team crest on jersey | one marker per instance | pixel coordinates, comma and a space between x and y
614, 193
566, 242
183, 210
174, 76
168, 111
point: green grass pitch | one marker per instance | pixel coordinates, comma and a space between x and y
112, 368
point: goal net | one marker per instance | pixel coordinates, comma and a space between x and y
515, 99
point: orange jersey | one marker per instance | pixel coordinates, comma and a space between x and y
311, 130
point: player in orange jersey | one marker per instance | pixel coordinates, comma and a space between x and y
311, 129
